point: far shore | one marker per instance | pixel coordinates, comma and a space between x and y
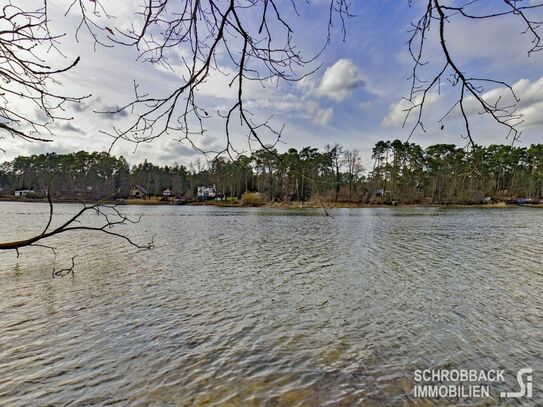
279, 205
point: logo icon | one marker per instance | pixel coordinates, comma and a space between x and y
525, 386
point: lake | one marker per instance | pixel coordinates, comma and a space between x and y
273, 307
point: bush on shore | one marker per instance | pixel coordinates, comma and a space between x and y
252, 199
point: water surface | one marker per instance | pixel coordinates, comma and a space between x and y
269, 307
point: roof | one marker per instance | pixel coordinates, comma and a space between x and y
140, 187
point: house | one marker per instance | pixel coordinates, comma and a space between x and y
138, 191
23, 192
167, 192
206, 192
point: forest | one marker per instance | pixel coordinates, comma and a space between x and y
400, 172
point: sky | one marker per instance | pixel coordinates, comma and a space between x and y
355, 98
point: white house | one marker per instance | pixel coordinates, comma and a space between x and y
206, 192
167, 192
23, 192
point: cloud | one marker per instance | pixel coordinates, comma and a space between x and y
37, 148
324, 116
113, 112
340, 80
70, 127
80, 107
530, 104
319, 115
176, 151
396, 115
208, 141
301, 106
493, 40
307, 85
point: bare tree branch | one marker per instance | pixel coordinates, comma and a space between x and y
110, 215
65, 271
203, 31
26, 79
470, 87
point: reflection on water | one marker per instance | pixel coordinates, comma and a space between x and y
270, 307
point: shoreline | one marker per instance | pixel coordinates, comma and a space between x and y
278, 205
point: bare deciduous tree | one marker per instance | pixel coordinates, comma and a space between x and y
437, 14
258, 39
265, 52
26, 78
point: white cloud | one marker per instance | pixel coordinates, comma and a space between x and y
340, 80
323, 116
494, 40
307, 85
530, 95
530, 105
397, 112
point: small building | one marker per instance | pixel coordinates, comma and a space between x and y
23, 192
167, 192
138, 191
205, 192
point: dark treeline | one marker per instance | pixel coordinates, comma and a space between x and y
401, 172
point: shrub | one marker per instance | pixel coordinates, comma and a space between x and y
252, 199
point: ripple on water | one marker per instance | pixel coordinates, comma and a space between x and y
269, 307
